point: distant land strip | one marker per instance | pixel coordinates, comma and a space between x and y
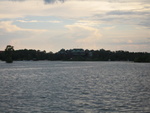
77, 54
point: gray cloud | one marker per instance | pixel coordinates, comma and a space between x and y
111, 1
145, 23
126, 17
45, 1
120, 13
53, 1
17, 0
127, 13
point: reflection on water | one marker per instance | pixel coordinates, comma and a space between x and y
76, 87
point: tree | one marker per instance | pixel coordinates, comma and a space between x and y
8, 53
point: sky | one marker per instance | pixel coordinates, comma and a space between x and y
89, 24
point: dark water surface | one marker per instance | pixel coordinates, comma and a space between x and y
74, 87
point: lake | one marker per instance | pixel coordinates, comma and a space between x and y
74, 87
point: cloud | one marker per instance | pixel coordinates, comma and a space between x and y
128, 17
89, 24
37, 21
19, 37
45, 1
7, 26
85, 36
120, 13
72, 9
130, 42
145, 23
125, 12
17, 0
109, 28
110, 1
12, 34
53, 1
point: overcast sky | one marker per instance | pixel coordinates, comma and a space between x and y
89, 24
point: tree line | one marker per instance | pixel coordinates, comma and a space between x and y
73, 55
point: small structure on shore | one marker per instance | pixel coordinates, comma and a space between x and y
78, 52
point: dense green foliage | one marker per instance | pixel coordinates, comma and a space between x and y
9, 54
87, 55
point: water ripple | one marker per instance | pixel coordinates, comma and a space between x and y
74, 87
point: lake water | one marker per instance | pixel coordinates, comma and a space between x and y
74, 87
